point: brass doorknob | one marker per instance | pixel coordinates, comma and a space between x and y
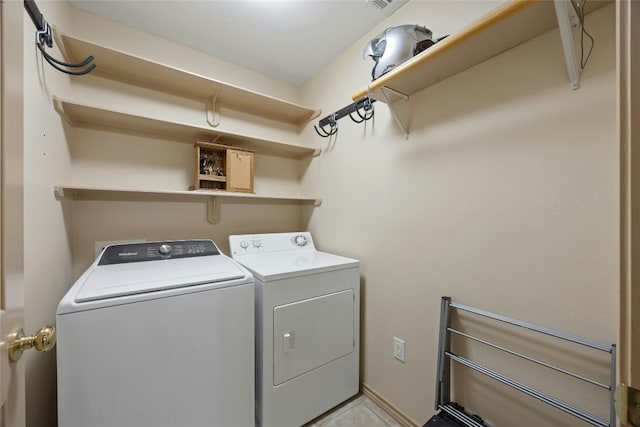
43, 340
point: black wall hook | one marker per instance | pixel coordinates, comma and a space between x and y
367, 108
365, 104
331, 121
44, 38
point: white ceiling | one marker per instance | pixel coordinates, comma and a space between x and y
288, 39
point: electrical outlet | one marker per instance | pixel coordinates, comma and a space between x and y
100, 245
398, 349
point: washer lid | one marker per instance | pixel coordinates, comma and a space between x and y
116, 280
275, 266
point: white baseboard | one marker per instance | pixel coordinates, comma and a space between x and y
396, 413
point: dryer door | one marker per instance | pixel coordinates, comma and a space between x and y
311, 333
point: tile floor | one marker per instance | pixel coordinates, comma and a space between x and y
358, 412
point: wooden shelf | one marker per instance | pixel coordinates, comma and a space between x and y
509, 25
210, 197
117, 65
213, 178
91, 117
115, 194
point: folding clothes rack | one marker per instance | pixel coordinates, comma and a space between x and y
445, 356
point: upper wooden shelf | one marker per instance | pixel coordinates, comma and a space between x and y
117, 65
511, 24
92, 117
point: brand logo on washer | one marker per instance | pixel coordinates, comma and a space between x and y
127, 253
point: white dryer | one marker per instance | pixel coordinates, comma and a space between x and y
157, 334
307, 326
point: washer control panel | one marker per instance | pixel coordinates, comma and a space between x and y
153, 251
271, 242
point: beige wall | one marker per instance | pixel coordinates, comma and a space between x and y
505, 196
127, 161
47, 221
60, 235
121, 160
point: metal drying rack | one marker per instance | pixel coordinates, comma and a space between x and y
446, 355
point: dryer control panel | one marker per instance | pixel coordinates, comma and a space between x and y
270, 242
152, 251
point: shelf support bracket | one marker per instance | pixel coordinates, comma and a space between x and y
59, 107
405, 98
58, 190
213, 210
213, 115
568, 19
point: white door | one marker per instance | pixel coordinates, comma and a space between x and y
12, 383
629, 107
629, 97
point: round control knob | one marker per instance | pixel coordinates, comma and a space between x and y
165, 249
244, 244
300, 240
257, 243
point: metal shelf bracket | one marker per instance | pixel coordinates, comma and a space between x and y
213, 114
213, 210
386, 100
567, 20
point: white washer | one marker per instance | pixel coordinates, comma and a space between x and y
307, 326
157, 334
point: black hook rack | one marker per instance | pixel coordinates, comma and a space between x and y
44, 38
365, 104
